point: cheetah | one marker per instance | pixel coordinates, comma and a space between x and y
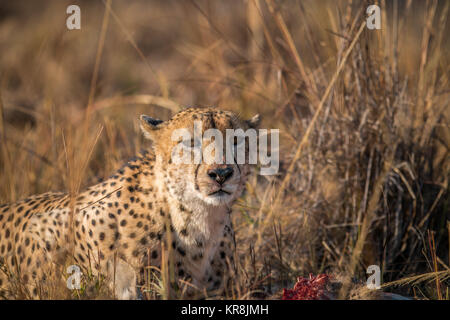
148, 210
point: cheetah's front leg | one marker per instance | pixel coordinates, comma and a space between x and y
122, 279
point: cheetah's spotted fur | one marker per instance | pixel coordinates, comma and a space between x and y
122, 223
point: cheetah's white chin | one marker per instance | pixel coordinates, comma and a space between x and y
218, 199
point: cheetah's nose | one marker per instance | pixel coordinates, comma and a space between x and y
221, 174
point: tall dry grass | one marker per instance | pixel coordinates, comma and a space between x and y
363, 116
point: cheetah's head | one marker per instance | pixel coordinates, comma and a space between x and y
206, 174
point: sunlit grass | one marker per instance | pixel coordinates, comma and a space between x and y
363, 117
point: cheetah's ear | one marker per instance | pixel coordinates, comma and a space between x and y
254, 121
149, 125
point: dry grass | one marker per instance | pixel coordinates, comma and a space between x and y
363, 117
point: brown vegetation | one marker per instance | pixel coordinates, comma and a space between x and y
363, 118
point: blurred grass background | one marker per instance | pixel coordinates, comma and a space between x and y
364, 165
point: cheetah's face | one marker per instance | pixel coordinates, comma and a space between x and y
209, 180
